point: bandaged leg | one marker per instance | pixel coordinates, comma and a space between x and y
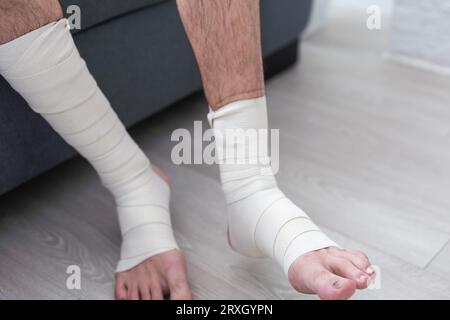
45, 67
261, 220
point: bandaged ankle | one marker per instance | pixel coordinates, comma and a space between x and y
54, 80
261, 220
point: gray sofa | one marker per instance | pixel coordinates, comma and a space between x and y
138, 52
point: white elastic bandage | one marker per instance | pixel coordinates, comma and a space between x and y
54, 80
262, 221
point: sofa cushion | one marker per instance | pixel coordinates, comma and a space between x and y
94, 12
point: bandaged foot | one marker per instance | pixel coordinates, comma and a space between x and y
45, 67
263, 222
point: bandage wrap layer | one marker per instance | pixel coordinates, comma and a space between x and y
54, 80
261, 220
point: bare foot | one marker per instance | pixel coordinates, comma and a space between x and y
331, 273
159, 276
164, 274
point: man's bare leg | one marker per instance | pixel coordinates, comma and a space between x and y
225, 37
161, 274
18, 17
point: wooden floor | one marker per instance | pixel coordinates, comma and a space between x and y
365, 149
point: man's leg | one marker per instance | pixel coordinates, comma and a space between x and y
39, 59
225, 36
21, 17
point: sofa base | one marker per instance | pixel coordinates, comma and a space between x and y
281, 59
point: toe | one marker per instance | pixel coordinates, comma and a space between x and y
157, 292
133, 292
332, 287
144, 292
121, 289
345, 268
178, 287
177, 281
358, 258
156, 288
179, 290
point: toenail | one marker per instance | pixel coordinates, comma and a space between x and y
370, 270
337, 284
